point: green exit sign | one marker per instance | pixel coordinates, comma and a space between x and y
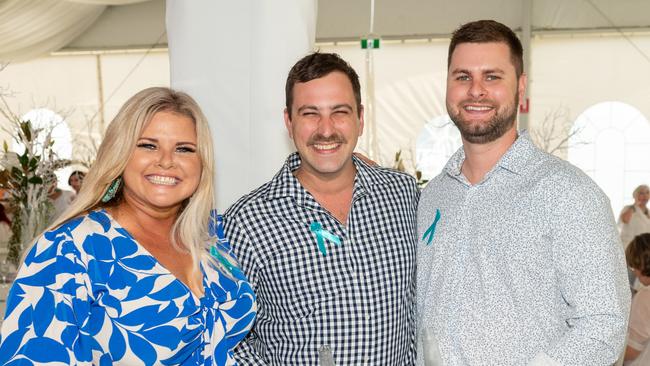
370, 43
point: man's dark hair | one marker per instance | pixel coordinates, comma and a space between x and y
486, 31
317, 65
80, 175
637, 254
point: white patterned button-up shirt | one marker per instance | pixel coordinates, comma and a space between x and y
523, 268
350, 304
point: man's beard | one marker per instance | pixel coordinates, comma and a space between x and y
482, 133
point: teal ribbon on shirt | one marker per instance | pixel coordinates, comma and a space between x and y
321, 235
215, 253
428, 235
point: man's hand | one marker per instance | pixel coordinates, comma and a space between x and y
626, 215
366, 159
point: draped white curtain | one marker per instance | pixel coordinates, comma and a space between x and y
233, 57
31, 28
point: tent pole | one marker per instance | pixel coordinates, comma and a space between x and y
100, 91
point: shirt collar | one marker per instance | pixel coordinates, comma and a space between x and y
285, 184
515, 159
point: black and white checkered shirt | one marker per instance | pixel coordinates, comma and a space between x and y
356, 304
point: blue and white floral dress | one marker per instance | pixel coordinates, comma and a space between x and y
88, 293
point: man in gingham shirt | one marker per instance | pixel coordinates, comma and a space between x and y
329, 242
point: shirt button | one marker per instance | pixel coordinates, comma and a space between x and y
367, 317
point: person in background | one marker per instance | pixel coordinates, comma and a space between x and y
75, 180
635, 218
637, 351
60, 198
129, 275
508, 272
5, 231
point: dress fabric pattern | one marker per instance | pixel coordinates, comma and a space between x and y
88, 293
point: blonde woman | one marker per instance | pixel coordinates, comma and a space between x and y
129, 273
635, 218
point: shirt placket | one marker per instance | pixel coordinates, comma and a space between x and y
361, 308
462, 272
356, 257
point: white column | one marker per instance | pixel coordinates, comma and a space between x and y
233, 58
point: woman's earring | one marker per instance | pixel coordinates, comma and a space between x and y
112, 190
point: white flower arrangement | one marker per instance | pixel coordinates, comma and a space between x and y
27, 177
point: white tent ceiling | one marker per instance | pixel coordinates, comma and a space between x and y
437, 18
29, 28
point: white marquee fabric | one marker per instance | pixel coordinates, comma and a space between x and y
108, 2
127, 25
345, 19
572, 68
31, 28
237, 75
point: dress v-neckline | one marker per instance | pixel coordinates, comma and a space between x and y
197, 299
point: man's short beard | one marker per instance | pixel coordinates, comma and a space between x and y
495, 128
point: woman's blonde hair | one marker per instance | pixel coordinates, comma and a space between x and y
190, 231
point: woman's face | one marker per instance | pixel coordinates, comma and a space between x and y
165, 168
75, 182
645, 280
642, 196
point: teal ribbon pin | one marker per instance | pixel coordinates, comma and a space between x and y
215, 253
428, 235
321, 235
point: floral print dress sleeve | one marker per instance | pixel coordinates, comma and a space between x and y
48, 307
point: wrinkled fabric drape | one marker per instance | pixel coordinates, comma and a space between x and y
107, 2
31, 28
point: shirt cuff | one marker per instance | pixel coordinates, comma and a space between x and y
542, 359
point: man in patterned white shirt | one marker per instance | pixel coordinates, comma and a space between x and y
329, 242
519, 261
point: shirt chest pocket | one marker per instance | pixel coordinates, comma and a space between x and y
299, 279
